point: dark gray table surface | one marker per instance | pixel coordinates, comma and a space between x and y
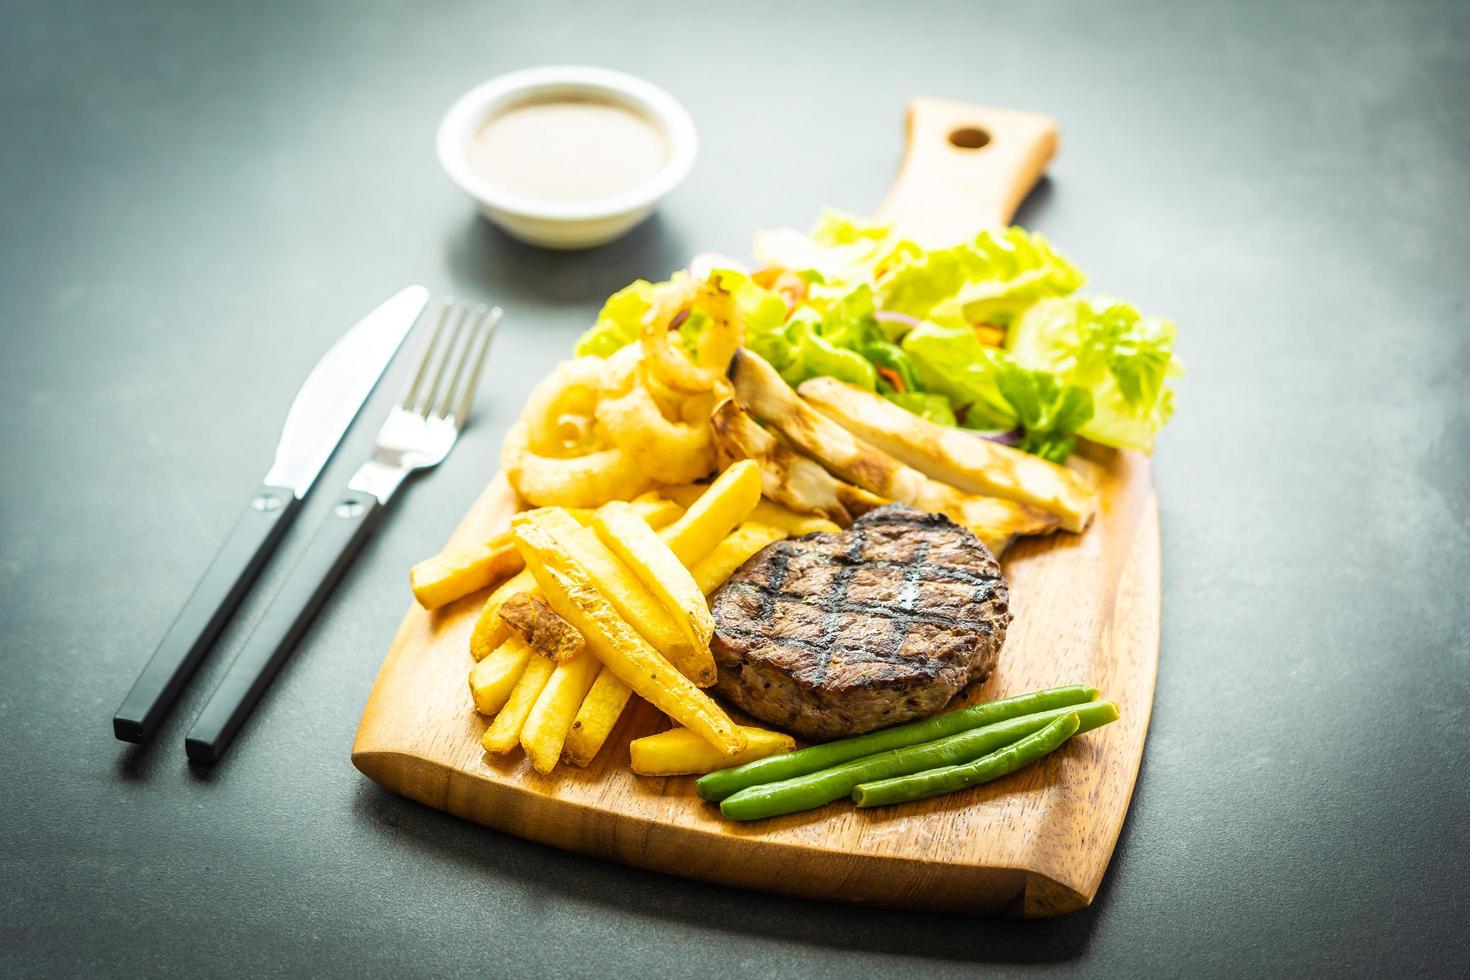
195, 199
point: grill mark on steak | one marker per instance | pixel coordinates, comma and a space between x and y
772, 596
950, 573
832, 619
781, 565
830, 634
909, 593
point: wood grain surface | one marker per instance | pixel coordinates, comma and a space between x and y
1036, 843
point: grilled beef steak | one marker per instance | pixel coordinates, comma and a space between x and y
837, 634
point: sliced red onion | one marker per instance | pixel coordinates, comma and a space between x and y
893, 316
706, 262
1006, 437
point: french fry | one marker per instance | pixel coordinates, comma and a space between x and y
766, 511
609, 696
490, 631
718, 510
711, 571
504, 732
569, 588
793, 523
493, 678
656, 509
628, 595
651, 505
631, 539
680, 752
683, 494
596, 719
545, 728
455, 573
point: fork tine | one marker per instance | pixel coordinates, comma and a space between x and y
462, 409
428, 355
459, 316
441, 408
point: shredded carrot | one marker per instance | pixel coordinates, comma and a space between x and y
892, 377
792, 288
989, 333
783, 282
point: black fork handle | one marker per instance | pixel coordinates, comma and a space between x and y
204, 615
291, 611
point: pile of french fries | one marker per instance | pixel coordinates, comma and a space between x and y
613, 604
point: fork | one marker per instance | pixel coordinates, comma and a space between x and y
418, 433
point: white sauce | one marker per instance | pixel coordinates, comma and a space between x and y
568, 151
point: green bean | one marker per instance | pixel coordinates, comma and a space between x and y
815, 789
1002, 762
718, 785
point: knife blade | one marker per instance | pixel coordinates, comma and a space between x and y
336, 388
320, 415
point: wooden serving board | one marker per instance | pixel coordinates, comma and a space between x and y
1086, 611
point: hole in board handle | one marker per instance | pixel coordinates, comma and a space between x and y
969, 137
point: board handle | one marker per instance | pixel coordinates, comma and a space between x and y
966, 167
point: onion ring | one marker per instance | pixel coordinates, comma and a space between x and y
579, 481
725, 331
663, 353
668, 452
571, 389
621, 369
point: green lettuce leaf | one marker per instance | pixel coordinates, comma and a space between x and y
815, 344
990, 391
1049, 413
764, 310
836, 228
618, 322
934, 407
799, 351
840, 248
616, 325
989, 279
950, 360
849, 322
1122, 358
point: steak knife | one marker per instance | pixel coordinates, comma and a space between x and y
319, 417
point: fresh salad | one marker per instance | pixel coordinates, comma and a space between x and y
989, 335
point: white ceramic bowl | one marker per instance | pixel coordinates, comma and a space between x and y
565, 225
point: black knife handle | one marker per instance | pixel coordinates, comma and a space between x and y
224, 584
291, 610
